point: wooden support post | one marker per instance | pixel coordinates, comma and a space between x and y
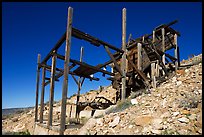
123, 63
37, 89
42, 94
52, 86
153, 37
178, 56
157, 68
139, 58
176, 51
114, 60
153, 75
163, 45
66, 70
79, 89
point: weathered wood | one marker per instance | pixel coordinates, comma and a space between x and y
114, 60
123, 63
96, 68
52, 85
42, 94
139, 54
157, 68
95, 41
49, 67
79, 84
153, 75
178, 56
163, 45
37, 88
153, 37
176, 51
141, 74
66, 71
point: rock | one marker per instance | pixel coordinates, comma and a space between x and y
183, 120
89, 124
185, 112
165, 115
157, 132
178, 83
99, 121
175, 114
134, 101
143, 120
181, 72
192, 117
115, 122
156, 123
130, 126
174, 79
85, 114
99, 113
15, 119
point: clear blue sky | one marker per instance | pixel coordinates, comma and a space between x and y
32, 28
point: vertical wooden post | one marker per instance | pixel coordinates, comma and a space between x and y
157, 68
52, 86
153, 75
79, 88
42, 94
66, 70
123, 63
37, 89
139, 58
176, 51
163, 45
143, 39
153, 36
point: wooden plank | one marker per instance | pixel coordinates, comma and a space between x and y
114, 60
52, 85
37, 88
66, 71
139, 58
153, 75
42, 94
163, 45
141, 74
153, 37
79, 84
176, 51
123, 63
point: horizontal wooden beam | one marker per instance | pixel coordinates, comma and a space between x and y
49, 67
86, 65
95, 41
46, 78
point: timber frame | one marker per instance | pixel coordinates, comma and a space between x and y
141, 62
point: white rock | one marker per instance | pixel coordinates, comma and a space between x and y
130, 126
99, 121
156, 131
186, 70
115, 122
178, 83
175, 113
174, 79
183, 120
134, 101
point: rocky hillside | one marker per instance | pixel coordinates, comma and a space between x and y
174, 107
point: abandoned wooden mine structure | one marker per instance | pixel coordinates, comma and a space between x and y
139, 63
